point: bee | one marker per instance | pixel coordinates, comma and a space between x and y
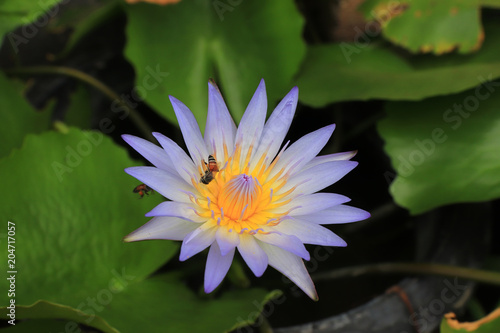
143, 189
211, 168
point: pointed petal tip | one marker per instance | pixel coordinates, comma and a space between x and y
210, 287
342, 243
125, 137
312, 293
129, 139
262, 85
173, 100
130, 238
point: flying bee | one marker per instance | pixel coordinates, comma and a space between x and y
211, 168
143, 189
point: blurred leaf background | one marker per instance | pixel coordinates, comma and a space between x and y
412, 85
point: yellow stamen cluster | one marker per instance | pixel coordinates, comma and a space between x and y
241, 198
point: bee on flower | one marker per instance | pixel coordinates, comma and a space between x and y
263, 201
209, 173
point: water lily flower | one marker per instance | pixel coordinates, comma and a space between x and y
239, 188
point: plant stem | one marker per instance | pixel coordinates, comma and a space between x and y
473, 274
90, 80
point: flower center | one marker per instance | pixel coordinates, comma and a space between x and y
239, 197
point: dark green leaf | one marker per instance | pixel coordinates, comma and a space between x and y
340, 72
14, 13
176, 48
18, 117
444, 149
72, 204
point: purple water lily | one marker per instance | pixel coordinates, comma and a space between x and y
240, 189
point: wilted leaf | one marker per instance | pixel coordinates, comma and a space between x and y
428, 25
340, 72
488, 324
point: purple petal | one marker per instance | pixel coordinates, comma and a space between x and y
336, 215
181, 210
183, 165
277, 126
217, 267
220, 128
310, 203
292, 267
167, 184
345, 156
197, 241
253, 254
154, 154
310, 233
227, 240
252, 122
190, 131
303, 150
318, 177
286, 242
172, 228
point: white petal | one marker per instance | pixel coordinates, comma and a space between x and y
277, 127
253, 254
310, 233
227, 240
197, 241
220, 128
318, 177
183, 164
172, 228
190, 131
217, 267
287, 242
154, 154
292, 267
303, 150
252, 122
181, 210
167, 184
310, 203
336, 215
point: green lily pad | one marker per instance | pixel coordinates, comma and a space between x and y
42, 311
70, 206
175, 50
170, 305
429, 26
39, 325
14, 13
444, 149
341, 72
490, 3
18, 117
79, 112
